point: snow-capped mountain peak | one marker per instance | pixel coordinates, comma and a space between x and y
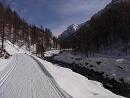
73, 27
70, 30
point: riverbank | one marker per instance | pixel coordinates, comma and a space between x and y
119, 87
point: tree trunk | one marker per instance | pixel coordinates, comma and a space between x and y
3, 34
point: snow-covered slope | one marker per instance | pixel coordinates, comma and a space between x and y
13, 49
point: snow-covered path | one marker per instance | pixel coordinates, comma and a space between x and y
27, 78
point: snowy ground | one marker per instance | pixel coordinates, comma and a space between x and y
51, 53
13, 49
25, 79
112, 67
24, 76
76, 85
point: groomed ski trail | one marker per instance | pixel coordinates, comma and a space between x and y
28, 78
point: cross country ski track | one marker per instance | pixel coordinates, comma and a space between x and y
26, 77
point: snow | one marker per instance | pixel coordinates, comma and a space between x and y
24, 76
13, 49
70, 30
76, 85
2, 63
74, 27
113, 67
104, 96
120, 60
51, 53
5, 69
25, 79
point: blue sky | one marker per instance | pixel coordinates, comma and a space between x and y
56, 14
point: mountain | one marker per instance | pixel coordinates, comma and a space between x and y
70, 30
110, 6
106, 30
66, 36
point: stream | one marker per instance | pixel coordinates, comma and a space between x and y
119, 88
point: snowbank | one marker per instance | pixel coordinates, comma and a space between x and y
76, 85
51, 53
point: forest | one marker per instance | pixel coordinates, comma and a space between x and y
18, 31
104, 31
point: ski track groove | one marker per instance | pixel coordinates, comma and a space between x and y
5, 77
52, 80
28, 78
